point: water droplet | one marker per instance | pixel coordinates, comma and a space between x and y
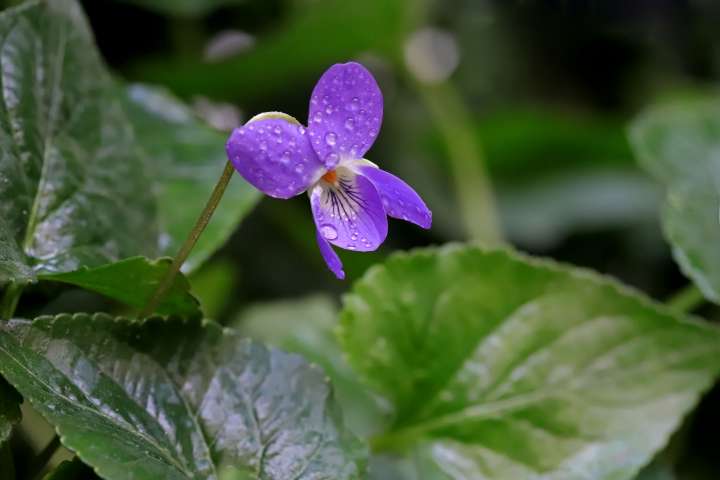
331, 160
329, 110
277, 131
317, 118
263, 146
350, 123
299, 167
353, 236
285, 159
331, 138
354, 104
301, 130
372, 133
328, 231
351, 246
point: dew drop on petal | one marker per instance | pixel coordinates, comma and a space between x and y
354, 104
330, 138
317, 118
301, 130
299, 168
331, 160
285, 158
328, 231
350, 123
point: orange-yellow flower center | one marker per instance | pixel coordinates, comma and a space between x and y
330, 177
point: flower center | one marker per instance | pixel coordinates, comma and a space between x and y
330, 177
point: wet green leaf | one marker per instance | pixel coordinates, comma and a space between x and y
73, 188
200, 399
679, 144
132, 281
501, 366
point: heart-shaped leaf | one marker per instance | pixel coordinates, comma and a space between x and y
501, 366
180, 408
73, 186
133, 281
186, 158
680, 145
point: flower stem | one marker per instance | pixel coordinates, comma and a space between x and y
10, 299
7, 464
44, 457
474, 190
190, 242
687, 299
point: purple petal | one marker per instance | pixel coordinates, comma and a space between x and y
275, 156
331, 258
349, 215
398, 198
346, 110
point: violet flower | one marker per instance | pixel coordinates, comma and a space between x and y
349, 195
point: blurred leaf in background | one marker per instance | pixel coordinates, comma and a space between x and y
679, 144
187, 8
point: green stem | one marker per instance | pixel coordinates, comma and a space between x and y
10, 300
6, 461
190, 242
467, 161
44, 457
687, 299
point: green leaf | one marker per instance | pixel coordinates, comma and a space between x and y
679, 145
305, 326
177, 400
73, 189
185, 8
501, 366
9, 410
187, 158
133, 281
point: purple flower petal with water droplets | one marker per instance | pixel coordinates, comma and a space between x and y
331, 258
346, 110
275, 156
398, 198
349, 215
